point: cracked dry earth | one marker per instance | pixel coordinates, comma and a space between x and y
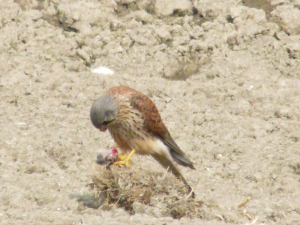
223, 74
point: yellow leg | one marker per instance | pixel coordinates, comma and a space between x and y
122, 156
125, 159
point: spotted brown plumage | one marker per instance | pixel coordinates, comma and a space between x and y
135, 124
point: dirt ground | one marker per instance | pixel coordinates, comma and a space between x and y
225, 76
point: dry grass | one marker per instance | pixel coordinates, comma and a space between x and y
115, 186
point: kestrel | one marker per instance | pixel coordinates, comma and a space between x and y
135, 124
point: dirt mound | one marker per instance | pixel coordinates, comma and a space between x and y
139, 191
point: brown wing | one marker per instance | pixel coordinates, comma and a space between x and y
121, 90
152, 119
154, 124
141, 102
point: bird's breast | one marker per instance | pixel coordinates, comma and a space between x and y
128, 129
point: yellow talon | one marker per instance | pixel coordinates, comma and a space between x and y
124, 160
122, 157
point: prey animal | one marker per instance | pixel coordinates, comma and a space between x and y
108, 156
136, 126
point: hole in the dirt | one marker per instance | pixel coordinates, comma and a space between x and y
184, 71
67, 28
123, 9
195, 10
296, 168
198, 18
260, 4
23, 4
229, 19
180, 13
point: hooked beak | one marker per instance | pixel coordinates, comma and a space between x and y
103, 128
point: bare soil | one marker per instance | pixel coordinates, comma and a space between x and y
225, 76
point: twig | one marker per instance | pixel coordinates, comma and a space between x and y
192, 190
191, 193
241, 204
165, 174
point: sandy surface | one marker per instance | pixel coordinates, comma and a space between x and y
224, 75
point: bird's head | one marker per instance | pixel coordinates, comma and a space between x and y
103, 112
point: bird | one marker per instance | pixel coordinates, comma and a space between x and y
107, 156
135, 124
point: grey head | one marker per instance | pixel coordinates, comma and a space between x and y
103, 112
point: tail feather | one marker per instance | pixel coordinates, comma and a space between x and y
181, 159
176, 153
